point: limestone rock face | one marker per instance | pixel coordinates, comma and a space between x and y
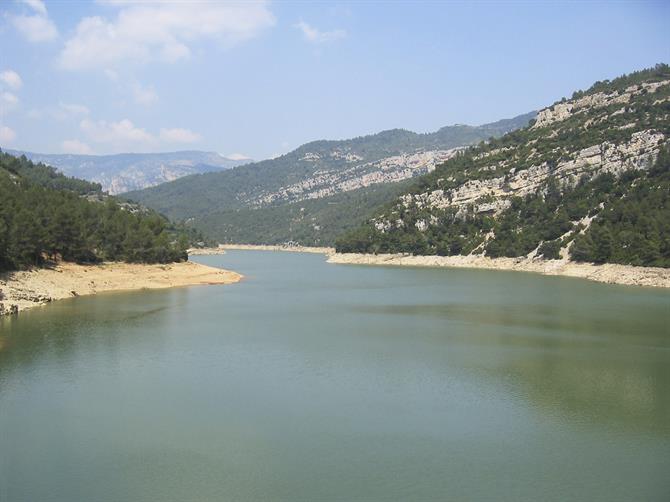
627, 129
638, 153
328, 182
563, 111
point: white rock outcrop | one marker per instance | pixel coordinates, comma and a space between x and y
493, 195
562, 111
325, 183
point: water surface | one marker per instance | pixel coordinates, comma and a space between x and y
310, 381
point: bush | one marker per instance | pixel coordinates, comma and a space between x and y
550, 250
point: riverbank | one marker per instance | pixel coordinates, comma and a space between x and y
205, 251
261, 247
27, 289
609, 273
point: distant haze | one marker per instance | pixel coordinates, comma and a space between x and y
134, 171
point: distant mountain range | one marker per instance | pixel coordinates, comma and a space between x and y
313, 193
133, 171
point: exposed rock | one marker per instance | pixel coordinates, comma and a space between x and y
492, 195
325, 183
10, 309
563, 111
31, 296
311, 157
347, 156
608, 273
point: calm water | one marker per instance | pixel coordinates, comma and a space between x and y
310, 381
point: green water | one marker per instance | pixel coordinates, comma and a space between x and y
310, 381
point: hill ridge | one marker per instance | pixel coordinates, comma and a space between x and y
294, 191
587, 180
122, 172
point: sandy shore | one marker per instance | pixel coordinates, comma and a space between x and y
609, 273
27, 289
205, 251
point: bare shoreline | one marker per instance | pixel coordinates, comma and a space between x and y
27, 289
608, 273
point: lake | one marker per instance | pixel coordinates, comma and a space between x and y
310, 381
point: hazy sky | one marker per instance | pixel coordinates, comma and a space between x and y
259, 79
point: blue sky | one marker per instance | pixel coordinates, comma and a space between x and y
258, 79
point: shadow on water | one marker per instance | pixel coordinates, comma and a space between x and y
602, 367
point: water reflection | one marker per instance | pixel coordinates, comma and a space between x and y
308, 380
85, 327
603, 367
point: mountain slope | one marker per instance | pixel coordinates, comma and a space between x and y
283, 189
587, 180
133, 171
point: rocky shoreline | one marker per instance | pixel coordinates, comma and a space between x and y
608, 273
205, 251
28, 289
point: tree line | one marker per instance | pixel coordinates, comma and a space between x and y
45, 215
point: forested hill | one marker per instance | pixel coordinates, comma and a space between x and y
45, 215
315, 192
589, 180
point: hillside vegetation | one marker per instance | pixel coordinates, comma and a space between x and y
315, 192
588, 180
45, 215
316, 222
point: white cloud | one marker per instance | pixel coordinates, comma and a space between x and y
36, 5
144, 32
316, 36
122, 134
7, 135
238, 156
75, 146
125, 136
178, 135
35, 28
144, 95
11, 79
8, 102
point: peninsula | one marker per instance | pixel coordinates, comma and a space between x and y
21, 290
